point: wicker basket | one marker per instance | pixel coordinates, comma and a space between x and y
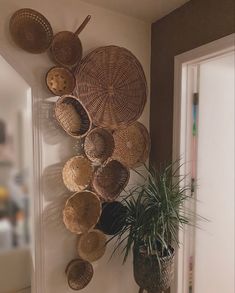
79, 274
110, 179
99, 145
81, 212
148, 275
91, 245
132, 145
77, 173
111, 83
112, 218
72, 116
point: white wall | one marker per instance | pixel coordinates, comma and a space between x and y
105, 28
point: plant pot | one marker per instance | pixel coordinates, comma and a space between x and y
147, 273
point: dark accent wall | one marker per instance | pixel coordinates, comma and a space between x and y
194, 24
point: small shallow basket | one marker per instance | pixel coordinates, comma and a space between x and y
72, 116
91, 245
99, 145
60, 81
132, 145
81, 212
110, 179
79, 274
77, 173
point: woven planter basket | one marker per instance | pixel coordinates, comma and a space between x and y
81, 212
77, 173
79, 274
91, 245
72, 116
147, 274
132, 145
110, 179
111, 83
99, 145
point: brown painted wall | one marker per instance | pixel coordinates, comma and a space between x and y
196, 23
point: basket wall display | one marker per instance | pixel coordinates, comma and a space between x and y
99, 145
110, 179
77, 173
81, 212
79, 274
91, 245
31, 31
72, 116
132, 145
111, 83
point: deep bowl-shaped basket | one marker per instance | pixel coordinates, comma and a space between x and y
77, 173
79, 274
110, 179
99, 145
91, 245
72, 116
81, 212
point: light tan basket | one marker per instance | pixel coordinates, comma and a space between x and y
111, 83
132, 145
77, 173
72, 116
79, 274
110, 179
82, 212
91, 245
99, 145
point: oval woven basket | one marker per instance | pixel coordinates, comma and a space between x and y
110, 179
77, 173
82, 212
72, 116
132, 145
111, 83
91, 245
99, 145
79, 274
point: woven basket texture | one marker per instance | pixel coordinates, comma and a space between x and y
77, 173
79, 274
111, 83
72, 116
30, 30
99, 145
82, 212
91, 245
110, 179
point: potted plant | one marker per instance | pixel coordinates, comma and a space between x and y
154, 214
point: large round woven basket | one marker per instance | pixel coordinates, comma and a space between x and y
79, 274
110, 179
91, 245
132, 145
77, 173
81, 212
111, 83
72, 116
99, 145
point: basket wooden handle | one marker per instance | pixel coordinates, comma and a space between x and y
82, 26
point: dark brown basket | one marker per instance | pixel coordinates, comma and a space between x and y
110, 179
72, 116
79, 274
30, 30
132, 145
111, 83
60, 81
99, 145
81, 212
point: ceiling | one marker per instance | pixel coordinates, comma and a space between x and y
147, 10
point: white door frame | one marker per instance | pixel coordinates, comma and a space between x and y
183, 89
